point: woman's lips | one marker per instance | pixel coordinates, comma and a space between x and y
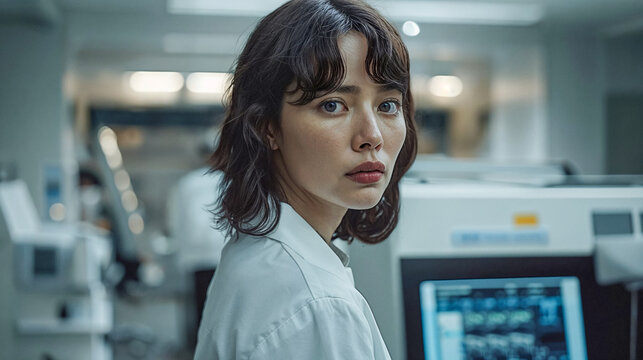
367, 172
368, 177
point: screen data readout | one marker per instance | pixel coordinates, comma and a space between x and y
502, 322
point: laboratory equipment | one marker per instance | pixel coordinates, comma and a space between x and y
54, 301
472, 230
619, 259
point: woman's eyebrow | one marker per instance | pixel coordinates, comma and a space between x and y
388, 87
354, 89
348, 89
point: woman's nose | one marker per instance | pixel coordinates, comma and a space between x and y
367, 132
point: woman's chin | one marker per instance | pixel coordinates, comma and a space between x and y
365, 202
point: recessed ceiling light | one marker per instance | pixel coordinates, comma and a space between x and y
156, 81
57, 212
122, 180
208, 83
411, 28
445, 86
136, 224
129, 200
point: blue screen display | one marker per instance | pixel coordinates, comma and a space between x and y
503, 319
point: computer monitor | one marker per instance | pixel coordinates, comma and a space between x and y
508, 318
601, 312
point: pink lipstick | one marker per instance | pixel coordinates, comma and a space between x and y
367, 172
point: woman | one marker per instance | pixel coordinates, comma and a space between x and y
318, 133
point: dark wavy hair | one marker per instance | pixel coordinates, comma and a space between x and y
297, 44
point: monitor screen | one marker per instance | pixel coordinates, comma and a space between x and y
507, 318
44, 261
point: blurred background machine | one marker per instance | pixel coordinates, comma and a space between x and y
499, 263
55, 304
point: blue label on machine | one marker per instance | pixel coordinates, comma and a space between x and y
499, 237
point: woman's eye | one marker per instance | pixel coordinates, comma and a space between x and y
332, 107
389, 107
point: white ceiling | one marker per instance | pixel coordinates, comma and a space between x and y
122, 35
596, 12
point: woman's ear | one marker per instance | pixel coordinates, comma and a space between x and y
272, 137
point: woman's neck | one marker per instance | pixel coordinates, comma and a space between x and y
323, 218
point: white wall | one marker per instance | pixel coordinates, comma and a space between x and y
574, 96
548, 86
34, 130
516, 55
546, 89
31, 127
6, 294
623, 59
624, 63
518, 127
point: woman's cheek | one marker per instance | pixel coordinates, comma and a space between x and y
399, 137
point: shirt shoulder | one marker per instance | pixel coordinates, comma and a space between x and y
253, 266
323, 328
261, 265
264, 293
257, 286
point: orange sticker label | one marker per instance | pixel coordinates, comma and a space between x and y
526, 220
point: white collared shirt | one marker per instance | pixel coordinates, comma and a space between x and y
286, 296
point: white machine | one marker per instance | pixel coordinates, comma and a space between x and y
490, 270
619, 259
54, 303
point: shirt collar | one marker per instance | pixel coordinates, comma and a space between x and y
295, 232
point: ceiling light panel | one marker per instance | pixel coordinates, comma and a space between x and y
156, 81
229, 8
439, 12
450, 12
208, 83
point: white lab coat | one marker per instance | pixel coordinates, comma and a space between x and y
286, 296
198, 243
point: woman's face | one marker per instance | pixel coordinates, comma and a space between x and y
340, 149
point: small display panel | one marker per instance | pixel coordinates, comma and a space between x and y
612, 223
493, 319
44, 261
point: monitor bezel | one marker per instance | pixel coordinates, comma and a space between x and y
606, 327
